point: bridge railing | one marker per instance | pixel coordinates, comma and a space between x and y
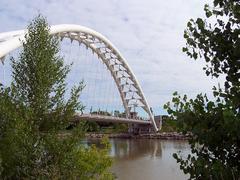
117, 116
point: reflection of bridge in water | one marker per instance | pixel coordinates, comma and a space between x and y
129, 89
147, 158
134, 148
129, 149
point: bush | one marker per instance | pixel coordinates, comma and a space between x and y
34, 111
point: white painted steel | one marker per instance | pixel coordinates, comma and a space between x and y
127, 84
102, 118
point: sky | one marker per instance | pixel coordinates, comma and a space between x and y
148, 33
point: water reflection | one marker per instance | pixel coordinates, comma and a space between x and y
145, 158
130, 149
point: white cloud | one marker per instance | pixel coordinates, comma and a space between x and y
148, 33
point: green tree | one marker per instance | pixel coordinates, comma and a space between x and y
34, 111
92, 126
214, 124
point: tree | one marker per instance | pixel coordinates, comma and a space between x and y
34, 111
214, 124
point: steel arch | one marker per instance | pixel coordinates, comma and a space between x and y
127, 84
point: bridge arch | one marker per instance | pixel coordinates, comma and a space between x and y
127, 84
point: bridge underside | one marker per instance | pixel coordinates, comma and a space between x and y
101, 118
136, 126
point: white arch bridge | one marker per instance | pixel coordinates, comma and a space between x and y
128, 87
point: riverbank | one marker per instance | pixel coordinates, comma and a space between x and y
163, 135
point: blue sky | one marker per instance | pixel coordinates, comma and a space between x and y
149, 34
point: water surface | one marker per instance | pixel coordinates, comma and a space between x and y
146, 159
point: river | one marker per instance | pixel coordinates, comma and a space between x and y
146, 159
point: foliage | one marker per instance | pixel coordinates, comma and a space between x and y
120, 128
33, 112
214, 125
92, 126
169, 125
103, 127
100, 112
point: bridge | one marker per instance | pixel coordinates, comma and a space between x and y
129, 89
112, 119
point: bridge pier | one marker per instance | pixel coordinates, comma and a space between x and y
145, 128
140, 129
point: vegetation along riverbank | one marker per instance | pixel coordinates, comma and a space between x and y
163, 135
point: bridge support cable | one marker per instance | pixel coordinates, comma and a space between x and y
2, 80
126, 82
5, 67
99, 83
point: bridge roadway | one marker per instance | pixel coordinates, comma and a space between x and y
102, 118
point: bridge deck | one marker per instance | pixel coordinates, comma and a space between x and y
102, 118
